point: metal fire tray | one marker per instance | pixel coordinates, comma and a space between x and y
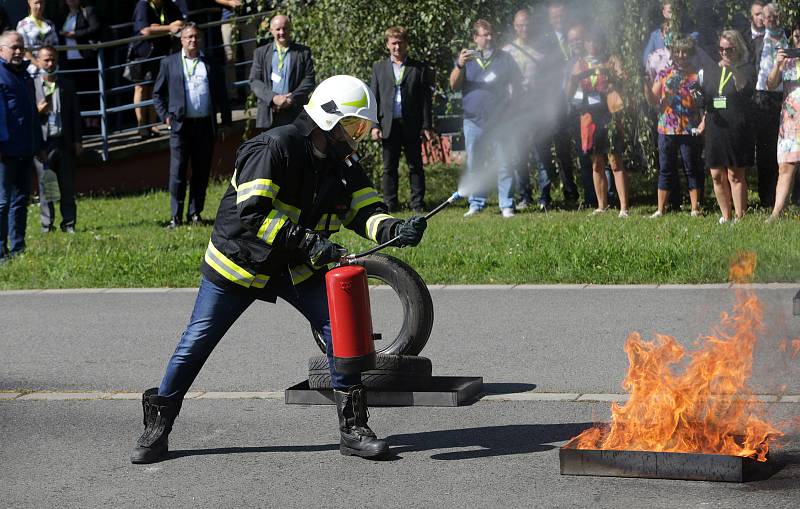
662, 465
444, 391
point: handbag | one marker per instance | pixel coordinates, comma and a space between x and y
134, 71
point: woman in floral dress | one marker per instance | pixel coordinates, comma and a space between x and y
674, 92
786, 70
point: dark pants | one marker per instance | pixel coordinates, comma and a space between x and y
766, 124
562, 140
690, 149
61, 160
215, 311
584, 162
409, 141
195, 143
15, 191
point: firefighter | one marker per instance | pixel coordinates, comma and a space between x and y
292, 188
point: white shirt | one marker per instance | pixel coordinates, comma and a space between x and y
69, 26
399, 72
196, 86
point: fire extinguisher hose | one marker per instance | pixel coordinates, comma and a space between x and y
349, 258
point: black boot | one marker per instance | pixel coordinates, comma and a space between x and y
159, 414
357, 438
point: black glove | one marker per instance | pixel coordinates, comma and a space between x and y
409, 232
318, 249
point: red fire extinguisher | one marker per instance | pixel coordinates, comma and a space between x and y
351, 319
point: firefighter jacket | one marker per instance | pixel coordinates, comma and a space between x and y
278, 181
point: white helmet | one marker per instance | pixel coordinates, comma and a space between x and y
340, 97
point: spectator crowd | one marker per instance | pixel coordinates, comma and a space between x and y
545, 104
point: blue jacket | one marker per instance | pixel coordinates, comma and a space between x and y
20, 133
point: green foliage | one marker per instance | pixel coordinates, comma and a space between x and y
122, 242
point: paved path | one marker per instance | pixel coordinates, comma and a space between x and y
73, 363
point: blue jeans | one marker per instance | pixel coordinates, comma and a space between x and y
690, 149
217, 308
486, 155
15, 191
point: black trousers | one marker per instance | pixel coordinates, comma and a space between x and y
409, 141
61, 160
194, 143
561, 138
767, 121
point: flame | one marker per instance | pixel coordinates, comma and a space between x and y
705, 407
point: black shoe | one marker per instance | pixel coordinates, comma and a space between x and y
357, 439
47, 229
159, 415
194, 220
174, 223
68, 229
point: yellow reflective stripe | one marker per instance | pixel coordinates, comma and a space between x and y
329, 222
257, 187
300, 273
361, 199
226, 267
260, 281
271, 226
373, 223
290, 210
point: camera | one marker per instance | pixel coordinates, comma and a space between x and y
697, 94
792, 52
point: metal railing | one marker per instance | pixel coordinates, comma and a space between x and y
111, 58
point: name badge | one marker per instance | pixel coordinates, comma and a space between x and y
276, 78
720, 103
490, 77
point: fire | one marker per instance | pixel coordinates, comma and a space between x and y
704, 407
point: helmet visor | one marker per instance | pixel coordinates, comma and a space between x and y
357, 128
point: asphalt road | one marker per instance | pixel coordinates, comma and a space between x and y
529, 343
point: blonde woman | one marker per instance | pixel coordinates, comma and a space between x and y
36, 31
728, 88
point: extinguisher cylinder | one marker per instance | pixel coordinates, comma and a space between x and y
351, 319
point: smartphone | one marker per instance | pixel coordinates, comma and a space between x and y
792, 52
472, 53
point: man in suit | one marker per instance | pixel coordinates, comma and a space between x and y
402, 88
553, 45
60, 120
282, 76
189, 91
767, 104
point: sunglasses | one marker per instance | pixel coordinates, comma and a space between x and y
729, 49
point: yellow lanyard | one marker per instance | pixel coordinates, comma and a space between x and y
41, 26
564, 49
594, 77
160, 13
281, 57
723, 80
191, 71
484, 63
398, 80
49, 87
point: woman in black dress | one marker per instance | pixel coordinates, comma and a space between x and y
728, 87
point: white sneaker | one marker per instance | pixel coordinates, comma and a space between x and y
597, 212
722, 220
656, 214
623, 214
472, 212
507, 212
697, 213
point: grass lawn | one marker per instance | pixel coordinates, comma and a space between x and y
121, 242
